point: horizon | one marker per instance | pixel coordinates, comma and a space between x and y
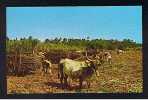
76, 22
43, 40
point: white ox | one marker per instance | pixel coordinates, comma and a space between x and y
120, 51
108, 57
81, 70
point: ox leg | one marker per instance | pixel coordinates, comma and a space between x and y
107, 60
11, 69
110, 61
43, 70
16, 71
46, 70
61, 80
65, 81
50, 71
14, 68
69, 81
80, 82
88, 84
60, 75
62, 83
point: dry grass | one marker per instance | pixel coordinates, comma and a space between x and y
124, 75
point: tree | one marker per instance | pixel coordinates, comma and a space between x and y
30, 37
47, 40
7, 38
88, 37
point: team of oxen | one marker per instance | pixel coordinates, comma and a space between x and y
69, 69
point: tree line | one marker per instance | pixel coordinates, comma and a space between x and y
29, 44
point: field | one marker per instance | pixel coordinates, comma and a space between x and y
124, 75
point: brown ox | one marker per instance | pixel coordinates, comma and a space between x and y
46, 64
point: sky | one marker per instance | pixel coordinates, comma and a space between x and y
106, 22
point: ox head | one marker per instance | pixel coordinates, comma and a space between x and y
41, 55
93, 63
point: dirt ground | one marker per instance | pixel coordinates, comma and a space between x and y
124, 75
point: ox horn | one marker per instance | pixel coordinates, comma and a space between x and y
87, 57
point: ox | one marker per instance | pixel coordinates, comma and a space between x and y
100, 56
81, 70
11, 65
108, 57
46, 64
120, 51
